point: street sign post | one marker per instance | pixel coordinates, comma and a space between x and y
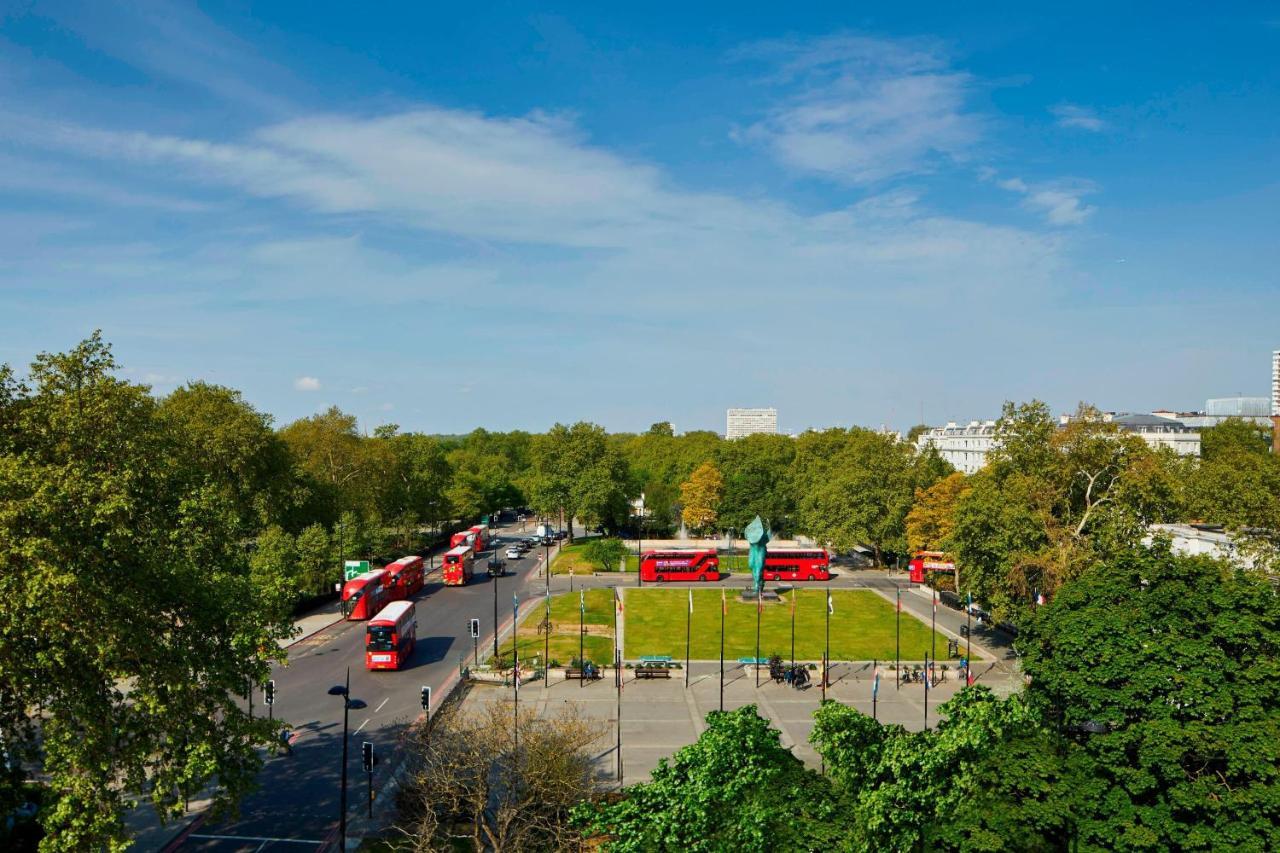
354, 568
474, 627
370, 760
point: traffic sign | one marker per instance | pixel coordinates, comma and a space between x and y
474, 626
354, 568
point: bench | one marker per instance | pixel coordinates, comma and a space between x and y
652, 672
576, 675
756, 661
649, 659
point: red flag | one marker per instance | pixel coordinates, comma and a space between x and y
724, 604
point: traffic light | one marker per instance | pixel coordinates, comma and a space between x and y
366, 753
269, 692
426, 699
474, 625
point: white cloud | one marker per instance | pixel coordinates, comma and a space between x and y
1059, 202
860, 110
306, 383
1081, 118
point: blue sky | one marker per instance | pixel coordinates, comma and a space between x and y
510, 216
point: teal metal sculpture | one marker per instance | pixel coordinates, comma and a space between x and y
757, 537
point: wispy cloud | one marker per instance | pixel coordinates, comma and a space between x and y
1082, 118
306, 383
857, 110
1059, 202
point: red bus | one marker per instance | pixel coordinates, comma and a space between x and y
457, 565
389, 638
929, 561
477, 537
405, 577
364, 595
688, 565
797, 564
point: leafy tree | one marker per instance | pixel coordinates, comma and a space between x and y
328, 448
578, 472
701, 496
735, 788
1234, 436
233, 447
932, 517
1174, 660
318, 568
915, 432
274, 570
855, 488
757, 481
130, 618
662, 428
480, 483
604, 553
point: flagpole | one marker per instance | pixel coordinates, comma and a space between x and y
826, 650
793, 632
968, 643
875, 688
515, 670
546, 648
759, 608
582, 662
688, 632
927, 679
933, 647
617, 665
897, 648
723, 607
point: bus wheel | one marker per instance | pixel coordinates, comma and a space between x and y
702, 578
660, 579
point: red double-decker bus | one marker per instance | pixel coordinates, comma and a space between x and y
366, 594
929, 561
390, 636
689, 565
477, 537
405, 577
797, 564
457, 566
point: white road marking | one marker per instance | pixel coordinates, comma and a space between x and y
362, 725
380, 704
255, 838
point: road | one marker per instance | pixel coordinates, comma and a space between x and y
297, 805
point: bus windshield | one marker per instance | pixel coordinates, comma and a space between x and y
381, 638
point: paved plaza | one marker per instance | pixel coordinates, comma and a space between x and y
659, 715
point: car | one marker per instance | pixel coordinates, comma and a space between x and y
548, 541
560, 534
514, 553
531, 541
497, 568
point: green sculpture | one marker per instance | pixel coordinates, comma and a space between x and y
757, 537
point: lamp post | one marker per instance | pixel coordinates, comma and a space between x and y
639, 536
344, 690
495, 619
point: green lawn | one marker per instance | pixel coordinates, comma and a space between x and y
598, 619
570, 557
862, 626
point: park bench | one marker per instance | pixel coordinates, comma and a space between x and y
753, 661
643, 671
575, 674
655, 659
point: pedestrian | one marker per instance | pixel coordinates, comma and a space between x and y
286, 740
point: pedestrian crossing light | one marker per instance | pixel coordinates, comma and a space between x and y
426, 699
366, 752
474, 626
269, 692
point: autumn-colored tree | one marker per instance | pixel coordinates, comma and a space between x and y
701, 495
932, 516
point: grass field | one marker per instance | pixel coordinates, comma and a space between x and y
598, 619
862, 626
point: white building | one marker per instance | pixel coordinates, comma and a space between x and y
1159, 432
740, 422
965, 447
1194, 539
1275, 383
1252, 409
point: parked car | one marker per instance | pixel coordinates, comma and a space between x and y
560, 534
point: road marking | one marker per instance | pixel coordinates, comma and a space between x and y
380, 704
362, 725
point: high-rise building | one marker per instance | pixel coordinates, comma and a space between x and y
740, 422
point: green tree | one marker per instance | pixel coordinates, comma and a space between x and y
578, 472
1234, 436
274, 570
931, 519
701, 495
1173, 660
130, 618
318, 568
757, 481
735, 788
329, 450
234, 449
604, 553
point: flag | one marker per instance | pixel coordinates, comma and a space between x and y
899, 599
724, 603
691, 602
793, 601
1039, 598
617, 598
831, 608
875, 685
970, 602
515, 605
759, 602
582, 601
935, 603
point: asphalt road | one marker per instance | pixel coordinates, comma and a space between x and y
297, 803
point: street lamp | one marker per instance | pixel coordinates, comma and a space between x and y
344, 690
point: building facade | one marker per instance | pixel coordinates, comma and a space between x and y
741, 422
1275, 384
965, 447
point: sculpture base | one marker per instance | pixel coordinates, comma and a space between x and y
749, 595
